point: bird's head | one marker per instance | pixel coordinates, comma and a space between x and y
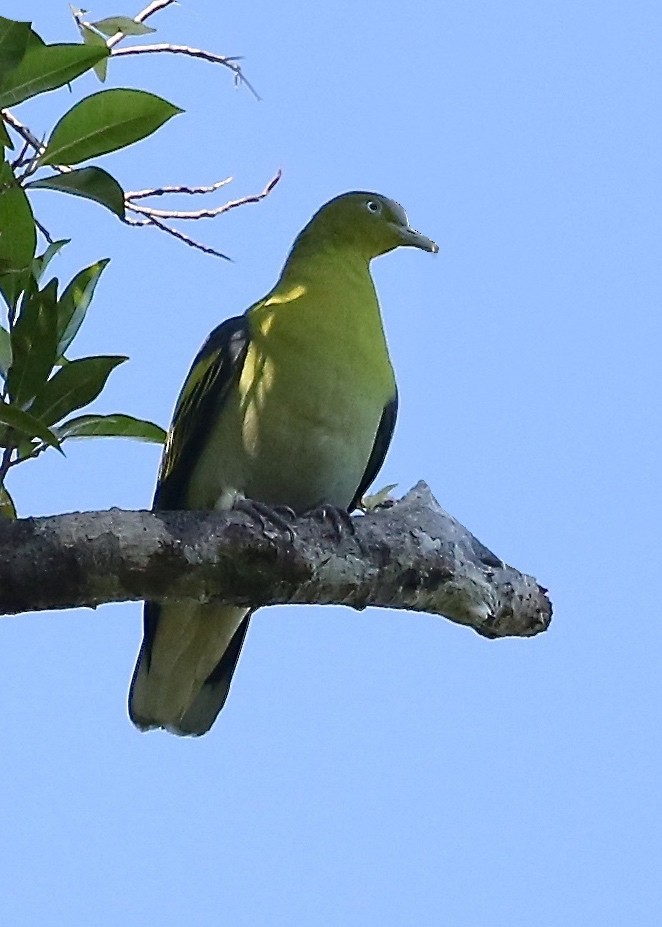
368, 222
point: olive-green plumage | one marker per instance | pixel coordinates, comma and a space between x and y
293, 404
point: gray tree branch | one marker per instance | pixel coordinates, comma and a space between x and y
411, 555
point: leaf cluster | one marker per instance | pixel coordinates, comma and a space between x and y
41, 386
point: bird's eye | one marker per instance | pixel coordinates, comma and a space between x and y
373, 206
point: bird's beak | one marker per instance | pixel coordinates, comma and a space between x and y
414, 239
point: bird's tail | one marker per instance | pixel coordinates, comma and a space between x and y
185, 665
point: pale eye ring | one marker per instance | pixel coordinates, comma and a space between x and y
372, 206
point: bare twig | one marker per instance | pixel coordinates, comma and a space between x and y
177, 213
153, 213
162, 191
155, 217
152, 8
22, 162
23, 131
32, 141
44, 231
20, 159
33, 166
227, 61
179, 235
136, 223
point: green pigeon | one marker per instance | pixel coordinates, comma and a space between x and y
291, 404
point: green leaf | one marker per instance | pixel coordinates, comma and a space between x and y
124, 24
90, 37
5, 139
116, 425
73, 387
7, 507
104, 122
46, 67
18, 235
5, 352
41, 262
74, 303
93, 183
33, 344
12, 283
13, 42
34, 40
379, 499
26, 424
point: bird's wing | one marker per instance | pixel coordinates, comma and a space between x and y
214, 371
379, 449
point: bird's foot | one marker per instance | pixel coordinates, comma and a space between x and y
340, 519
278, 515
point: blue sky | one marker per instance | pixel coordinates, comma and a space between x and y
380, 767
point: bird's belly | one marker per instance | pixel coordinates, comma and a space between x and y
298, 433
311, 451
308, 464
286, 451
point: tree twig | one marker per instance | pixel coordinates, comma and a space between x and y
23, 131
44, 231
154, 213
181, 188
412, 555
227, 61
20, 159
191, 242
33, 141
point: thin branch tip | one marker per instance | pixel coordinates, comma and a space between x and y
156, 217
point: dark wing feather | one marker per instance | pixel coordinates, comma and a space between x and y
215, 369
212, 697
379, 449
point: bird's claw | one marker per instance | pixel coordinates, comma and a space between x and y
340, 519
279, 515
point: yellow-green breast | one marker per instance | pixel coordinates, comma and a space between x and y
300, 427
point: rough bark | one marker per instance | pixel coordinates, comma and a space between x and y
410, 555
